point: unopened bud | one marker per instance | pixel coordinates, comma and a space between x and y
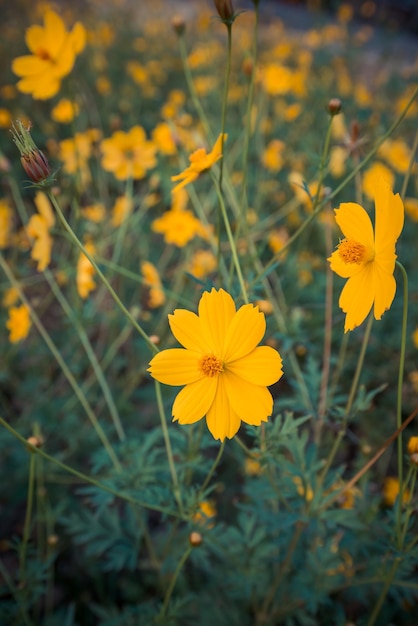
195, 539
225, 10
33, 160
178, 24
413, 450
247, 66
35, 441
334, 106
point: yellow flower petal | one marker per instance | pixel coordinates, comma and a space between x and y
263, 366
385, 291
355, 223
245, 331
252, 403
194, 401
389, 218
187, 329
176, 367
345, 270
216, 310
221, 419
357, 297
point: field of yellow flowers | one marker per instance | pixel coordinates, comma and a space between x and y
208, 315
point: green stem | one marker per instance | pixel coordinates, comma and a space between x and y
174, 478
28, 519
213, 468
350, 400
90, 354
381, 598
64, 367
231, 241
99, 272
322, 164
399, 395
410, 167
173, 581
70, 470
225, 102
190, 84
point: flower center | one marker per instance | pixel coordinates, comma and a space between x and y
211, 365
43, 54
351, 251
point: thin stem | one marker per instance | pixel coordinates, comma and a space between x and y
225, 102
90, 354
213, 468
231, 241
410, 166
174, 477
375, 613
173, 581
399, 394
190, 84
64, 367
349, 405
28, 519
67, 468
99, 272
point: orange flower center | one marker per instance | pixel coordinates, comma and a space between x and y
352, 251
211, 365
43, 54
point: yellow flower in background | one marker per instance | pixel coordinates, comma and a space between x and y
273, 155
38, 229
163, 137
11, 296
397, 153
54, 51
277, 239
303, 489
5, 118
415, 337
200, 161
224, 371
85, 271
179, 227
19, 323
128, 155
391, 491
121, 210
6, 214
411, 208
202, 263
368, 258
277, 79
206, 513
65, 111
156, 296
94, 213
372, 177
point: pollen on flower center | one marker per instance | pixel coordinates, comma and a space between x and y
352, 251
211, 365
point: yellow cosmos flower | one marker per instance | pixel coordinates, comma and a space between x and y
19, 323
65, 111
54, 51
85, 271
224, 371
200, 161
128, 154
391, 491
156, 295
367, 258
38, 229
6, 215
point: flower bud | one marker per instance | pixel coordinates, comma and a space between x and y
225, 10
33, 160
334, 106
195, 539
178, 24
